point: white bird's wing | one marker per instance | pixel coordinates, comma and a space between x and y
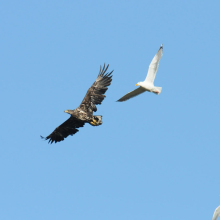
154, 65
216, 213
132, 94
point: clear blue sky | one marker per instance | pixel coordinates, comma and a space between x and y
154, 157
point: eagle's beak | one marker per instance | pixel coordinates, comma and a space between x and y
136, 85
66, 111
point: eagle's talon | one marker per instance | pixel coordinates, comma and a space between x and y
93, 122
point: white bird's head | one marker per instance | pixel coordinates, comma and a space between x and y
138, 84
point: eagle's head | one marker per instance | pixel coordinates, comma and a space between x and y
68, 111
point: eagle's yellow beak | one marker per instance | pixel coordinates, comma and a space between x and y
136, 85
66, 111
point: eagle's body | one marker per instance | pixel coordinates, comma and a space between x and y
85, 116
84, 113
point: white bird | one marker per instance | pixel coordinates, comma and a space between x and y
148, 84
216, 213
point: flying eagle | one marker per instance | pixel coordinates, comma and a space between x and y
84, 113
148, 84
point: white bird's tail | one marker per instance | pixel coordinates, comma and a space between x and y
157, 90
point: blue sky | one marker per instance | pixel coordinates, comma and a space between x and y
154, 156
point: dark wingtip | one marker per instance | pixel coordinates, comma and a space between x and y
103, 70
42, 137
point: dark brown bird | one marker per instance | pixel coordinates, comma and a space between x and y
84, 113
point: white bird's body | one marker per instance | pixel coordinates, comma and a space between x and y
216, 213
148, 84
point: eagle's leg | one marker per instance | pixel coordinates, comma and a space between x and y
96, 121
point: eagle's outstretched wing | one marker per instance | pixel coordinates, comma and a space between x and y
69, 127
95, 93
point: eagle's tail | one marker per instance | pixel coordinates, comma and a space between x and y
97, 120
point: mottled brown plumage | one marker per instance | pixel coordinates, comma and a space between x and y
84, 113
